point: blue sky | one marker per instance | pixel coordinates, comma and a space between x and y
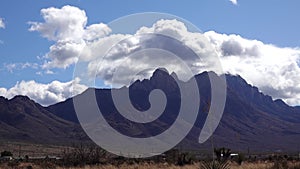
269, 21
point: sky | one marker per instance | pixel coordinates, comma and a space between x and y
40, 42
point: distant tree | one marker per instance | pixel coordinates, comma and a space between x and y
218, 153
6, 153
26, 158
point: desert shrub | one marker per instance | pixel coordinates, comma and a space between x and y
296, 166
222, 154
280, 163
214, 165
117, 161
46, 164
172, 156
185, 159
239, 158
81, 155
13, 163
29, 167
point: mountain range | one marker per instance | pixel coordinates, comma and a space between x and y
251, 120
21, 119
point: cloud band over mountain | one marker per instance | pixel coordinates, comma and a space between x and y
275, 70
45, 94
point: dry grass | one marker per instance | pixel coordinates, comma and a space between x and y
262, 165
139, 166
124, 166
256, 165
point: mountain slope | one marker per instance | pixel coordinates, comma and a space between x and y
21, 119
251, 120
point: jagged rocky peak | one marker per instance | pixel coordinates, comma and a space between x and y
160, 72
21, 98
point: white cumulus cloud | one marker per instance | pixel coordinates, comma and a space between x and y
45, 94
275, 70
2, 24
120, 57
67, 27
234, 2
